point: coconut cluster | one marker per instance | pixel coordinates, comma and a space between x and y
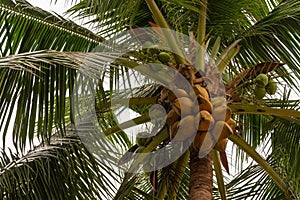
194, 114
204, 119
263, 85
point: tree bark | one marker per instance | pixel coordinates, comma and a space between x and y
201, 177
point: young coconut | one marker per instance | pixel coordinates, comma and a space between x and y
147, 44
232, 123
222, 113
207, 144
259, 92
203, 104
262, 80
183, 106
205, 121
153, 49
177, 93
271, 87
172, 117
164, 57
174, 129
201, 91
222, 130
185, 128
198, 140
219, 101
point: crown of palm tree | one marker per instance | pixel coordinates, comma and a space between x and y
43, 55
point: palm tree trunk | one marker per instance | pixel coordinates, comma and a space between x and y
201, 177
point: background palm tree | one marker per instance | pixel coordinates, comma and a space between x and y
43, 55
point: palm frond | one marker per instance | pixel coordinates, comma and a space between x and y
26, 28
285, 135
171, 177
254, 183
62, 170
25, 96
134, 186
275, 38
36, 87
258, 127
111, 17
51, 72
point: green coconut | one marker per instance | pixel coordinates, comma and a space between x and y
271, 87
262, 80
164, 57
153, 49
147, 44
259, 92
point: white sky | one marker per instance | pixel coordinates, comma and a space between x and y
60, 7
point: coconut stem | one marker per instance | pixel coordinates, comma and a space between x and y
136, 121
200, 59
219, 174
168, 35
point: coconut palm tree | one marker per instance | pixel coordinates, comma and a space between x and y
55, 74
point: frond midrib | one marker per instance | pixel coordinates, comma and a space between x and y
88, 36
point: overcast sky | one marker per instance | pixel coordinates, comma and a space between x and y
59, 7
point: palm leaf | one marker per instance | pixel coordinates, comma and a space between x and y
37, 87
24, 28
62, 170
105, 15
254, 183
274, 38
27, 28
